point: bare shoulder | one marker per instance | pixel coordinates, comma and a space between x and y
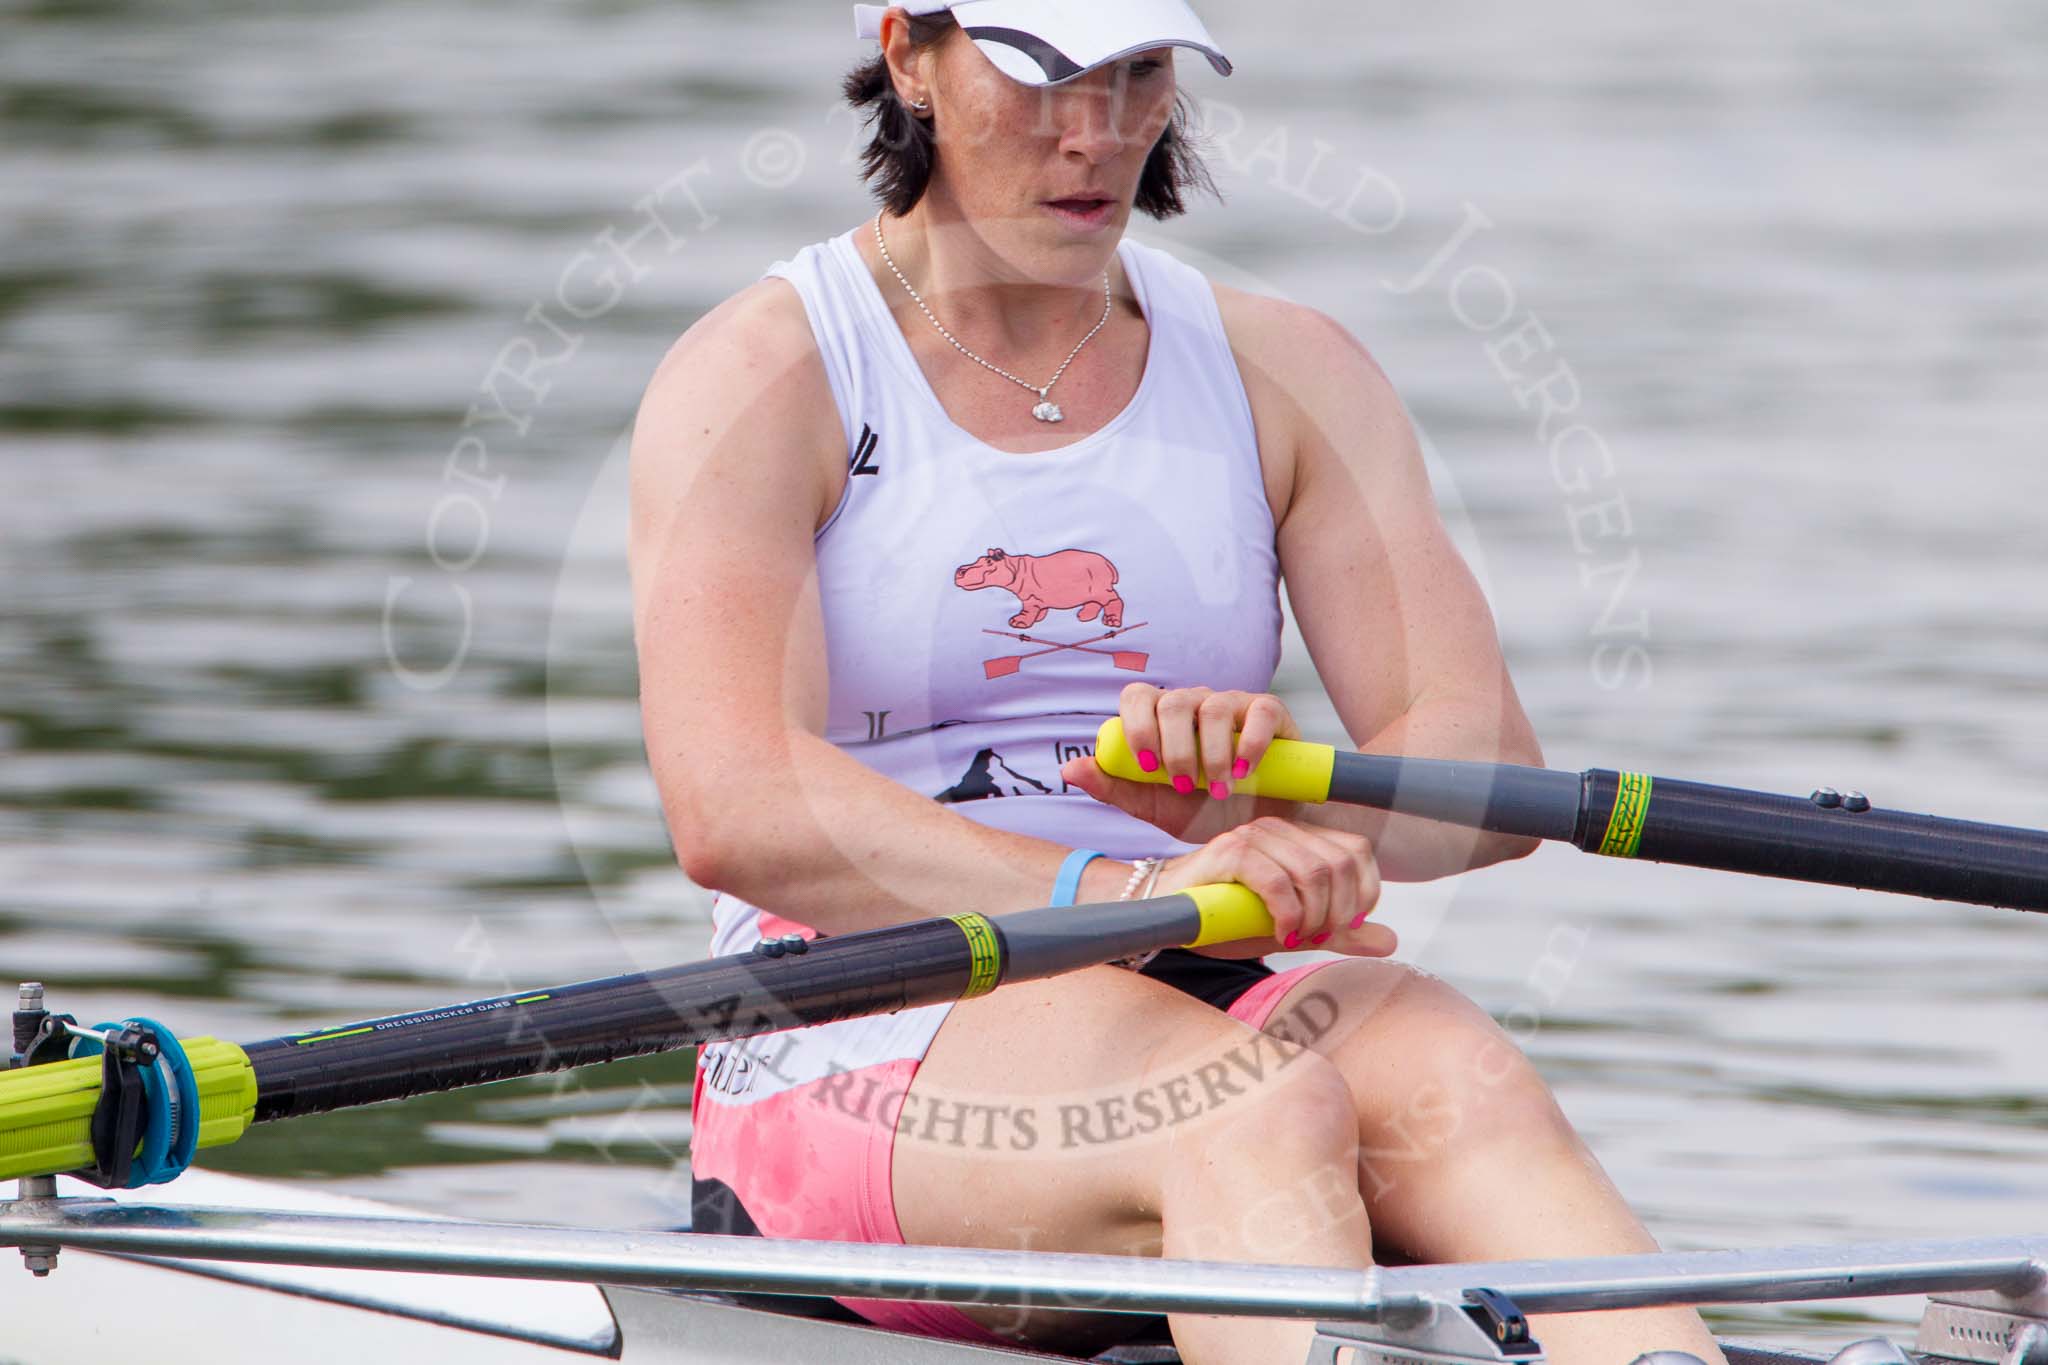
1316, 392
744, 383
758, 339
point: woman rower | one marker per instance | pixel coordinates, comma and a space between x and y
910, 517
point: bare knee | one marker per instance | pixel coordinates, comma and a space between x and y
1270, 1173
1432, 1074
1300, 1105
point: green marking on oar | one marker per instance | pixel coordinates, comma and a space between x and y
985, 955
330, 1037
1625, 824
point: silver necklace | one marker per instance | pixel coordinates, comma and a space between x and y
1047, 410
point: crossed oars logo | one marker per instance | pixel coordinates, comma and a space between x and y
1127, 659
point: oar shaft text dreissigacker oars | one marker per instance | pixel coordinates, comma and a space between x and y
48, 1109
1825, 838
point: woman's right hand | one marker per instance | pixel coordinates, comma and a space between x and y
1320, 884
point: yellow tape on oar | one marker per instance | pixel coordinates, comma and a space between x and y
46, 1111
985, 954
1292, 770
1625, 822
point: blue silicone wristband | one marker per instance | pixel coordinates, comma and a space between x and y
1068, 884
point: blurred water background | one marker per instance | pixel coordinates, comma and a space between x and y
264, 270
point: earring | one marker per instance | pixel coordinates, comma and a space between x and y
919, 105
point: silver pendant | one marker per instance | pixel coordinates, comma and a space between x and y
1049, 412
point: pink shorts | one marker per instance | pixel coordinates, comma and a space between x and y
795, 1131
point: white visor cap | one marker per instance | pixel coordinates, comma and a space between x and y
1050, 42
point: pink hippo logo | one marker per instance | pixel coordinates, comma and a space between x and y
1063, 581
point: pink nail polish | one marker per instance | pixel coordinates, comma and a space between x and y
1148, 760
1183, 784
1240, 770
1320, 939
1360, 919
1293, 940
1218, 791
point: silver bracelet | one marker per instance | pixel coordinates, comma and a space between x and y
1145, 875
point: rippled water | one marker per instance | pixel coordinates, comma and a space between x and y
259, 268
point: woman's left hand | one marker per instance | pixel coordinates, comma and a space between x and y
1195, 735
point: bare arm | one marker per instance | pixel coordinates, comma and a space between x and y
737, 459
1398, 629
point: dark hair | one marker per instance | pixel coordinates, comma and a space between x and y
900, 155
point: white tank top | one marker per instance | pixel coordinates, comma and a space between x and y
983, 610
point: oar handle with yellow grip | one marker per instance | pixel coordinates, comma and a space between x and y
1292, 770
47, 1109
1492, 796
1829, 837
1230, 912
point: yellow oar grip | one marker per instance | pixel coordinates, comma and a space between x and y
1292, 770
1229, 912
46, 1111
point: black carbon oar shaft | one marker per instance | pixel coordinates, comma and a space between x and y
1662, 820
774, 986
1631, 815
